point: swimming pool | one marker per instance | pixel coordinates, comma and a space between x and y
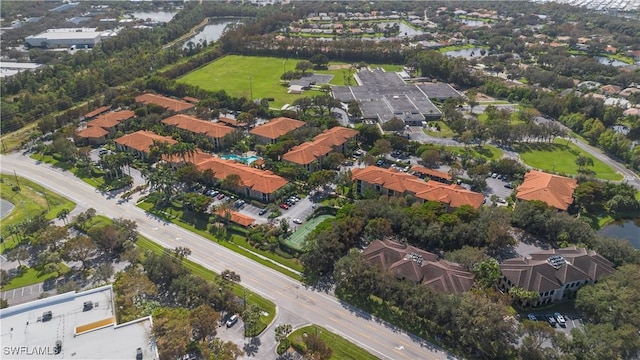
243, 159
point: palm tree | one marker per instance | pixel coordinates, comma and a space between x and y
63, 215
164, 180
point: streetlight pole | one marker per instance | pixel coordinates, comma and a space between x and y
250, 89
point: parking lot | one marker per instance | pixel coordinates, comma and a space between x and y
234, 333
572, 320
496, 187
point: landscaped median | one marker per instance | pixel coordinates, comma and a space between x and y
340, 347
236, 243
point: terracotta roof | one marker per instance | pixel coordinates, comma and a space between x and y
97, 111
306, 153
237, 217
230, 121
198, 126
262, 181
554, 190
165, 102
408, 262
610, 89
538, 274
453, 195
190, 99
336, 136
92, 132
142, 140
430, 172
447, 277
277, 127
110, 120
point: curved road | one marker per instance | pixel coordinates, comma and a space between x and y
380, 338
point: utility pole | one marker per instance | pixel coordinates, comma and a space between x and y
250, 89
16, 176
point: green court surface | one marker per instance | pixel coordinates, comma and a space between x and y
296, 241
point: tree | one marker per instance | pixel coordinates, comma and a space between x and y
369, 134
50, 236
467, 256
320, 177
172, 331
79, 248
251, 318
232, 181
381, 147
320, 61
181, 252
303, 66
472, 99
317, 349
188, 174
378, 229
204, 321
487, 273
282, 331
103, 273
394, 124
430, 157
19, 254
132, 288
221, 350
62, 215
523, 296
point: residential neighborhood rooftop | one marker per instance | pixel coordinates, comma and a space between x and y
111, 119
92, 132
165, 102
554, 190
198, 126
277, 127
97, 112
143, 140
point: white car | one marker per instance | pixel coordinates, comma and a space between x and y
561, 321
297, 221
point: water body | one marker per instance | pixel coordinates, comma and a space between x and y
158, 16
212, 31
467, 53
628, 230
5, 207
606, 61
405, 30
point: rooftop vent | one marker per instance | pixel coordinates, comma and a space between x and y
414, 257
46, 316
88, 305
556, 261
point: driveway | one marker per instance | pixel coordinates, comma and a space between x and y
28, 293
416, 133
300, 210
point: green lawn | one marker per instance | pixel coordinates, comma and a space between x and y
342, 348
296, 241
445, 131
30, 200
559, 157
30, 277
489, 152
232, 73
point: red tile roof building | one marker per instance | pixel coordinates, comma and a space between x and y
212, 130
111, 120
554, 190
395, 183
311, 154
254, 183
236, 217
97, 112
140, 142
419, 266
432, 174
270, 132
95, 135
165, 102
555, 274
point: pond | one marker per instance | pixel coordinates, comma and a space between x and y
467, 53
627, 229
158, 16
611, 62
5, 207
211, 32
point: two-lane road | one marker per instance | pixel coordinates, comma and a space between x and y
381, 339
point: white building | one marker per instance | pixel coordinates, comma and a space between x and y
11, 68
74, 326
60, 38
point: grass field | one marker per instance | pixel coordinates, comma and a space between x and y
296, 241
489, 152
232, 73
30, 200
32, 276
560, 157
342, 348
445, 131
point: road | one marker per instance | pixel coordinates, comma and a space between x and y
380, 338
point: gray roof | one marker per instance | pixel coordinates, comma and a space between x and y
85, 334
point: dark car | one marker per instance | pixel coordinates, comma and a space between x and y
262, 212
552, 320
508, 186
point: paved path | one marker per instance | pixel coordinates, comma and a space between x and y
5, 207
26, 294
380, 338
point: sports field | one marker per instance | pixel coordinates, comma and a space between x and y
296, 241
259, 77
560, 157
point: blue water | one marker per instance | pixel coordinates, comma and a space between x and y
243, 159
628, 230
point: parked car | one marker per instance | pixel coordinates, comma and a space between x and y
284, 206
504, 178
494, 175
508, 186
262, 212
499, 177
221, 196
551, 320
380, 162
297, 221
532, 317
560, 319
232, 321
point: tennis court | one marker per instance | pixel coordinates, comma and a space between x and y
296, 240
